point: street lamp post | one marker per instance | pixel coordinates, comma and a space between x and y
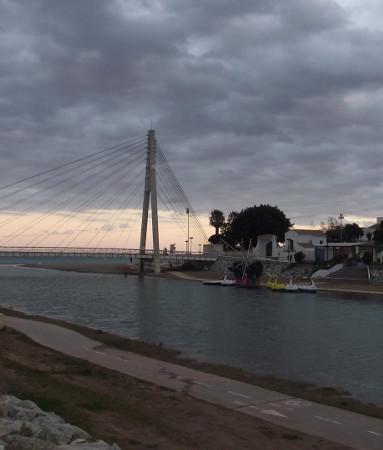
187, 242
200, 245
341, 217
186, 246
191, 244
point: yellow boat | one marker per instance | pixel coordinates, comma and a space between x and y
275, 285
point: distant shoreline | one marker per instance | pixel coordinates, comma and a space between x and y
324, 285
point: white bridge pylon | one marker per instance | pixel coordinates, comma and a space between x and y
150, 196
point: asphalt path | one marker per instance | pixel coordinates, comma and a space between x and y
337, 425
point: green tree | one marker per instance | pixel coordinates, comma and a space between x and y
253, 221
378, 235
367, 258
351, 232
217, 220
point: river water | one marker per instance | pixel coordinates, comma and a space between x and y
327, 339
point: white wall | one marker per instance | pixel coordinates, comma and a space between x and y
304, 238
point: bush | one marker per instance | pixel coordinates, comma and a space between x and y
299, 257
367, 258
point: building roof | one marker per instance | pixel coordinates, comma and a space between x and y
307, 231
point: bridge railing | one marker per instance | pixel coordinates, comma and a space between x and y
83, 251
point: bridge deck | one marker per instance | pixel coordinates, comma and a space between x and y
98, 253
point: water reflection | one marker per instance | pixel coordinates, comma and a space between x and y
325, 338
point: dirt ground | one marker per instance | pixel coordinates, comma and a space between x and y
132, 413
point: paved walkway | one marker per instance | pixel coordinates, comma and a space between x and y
344, 427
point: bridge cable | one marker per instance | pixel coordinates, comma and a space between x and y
57, 207
55, 182
81, 182
115, 212
125, 143
84, 205
181, 194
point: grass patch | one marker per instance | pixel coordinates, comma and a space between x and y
95, 405
292, 437
46, 403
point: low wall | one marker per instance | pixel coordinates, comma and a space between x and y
376, 272
274, 269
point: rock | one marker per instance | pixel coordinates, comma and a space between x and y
9, 426
11, 406
60, 433
28, 443
23, 425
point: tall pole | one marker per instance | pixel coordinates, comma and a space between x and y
152, 143
150, 196
188, 240
341, 217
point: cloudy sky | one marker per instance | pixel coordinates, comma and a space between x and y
253, 101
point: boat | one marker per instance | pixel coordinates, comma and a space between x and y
212, 282
308, 287
276, 285
269, 283
292, 287
225, 282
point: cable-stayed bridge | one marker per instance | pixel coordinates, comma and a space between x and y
98, 205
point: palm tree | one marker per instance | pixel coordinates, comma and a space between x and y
217, 220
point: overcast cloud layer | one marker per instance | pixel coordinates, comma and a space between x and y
253, 101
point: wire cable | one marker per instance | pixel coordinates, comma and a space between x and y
69, 163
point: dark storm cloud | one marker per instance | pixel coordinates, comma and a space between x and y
254, 101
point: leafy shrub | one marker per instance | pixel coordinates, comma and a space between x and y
367, 258
299, 257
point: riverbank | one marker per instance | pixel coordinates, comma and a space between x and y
320, 394
330, 285
133, 413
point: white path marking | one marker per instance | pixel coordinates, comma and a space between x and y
99, 353
240, 403
326, 419
296, 403
238, 394
199, 383
254, 407
272, 412
375, 433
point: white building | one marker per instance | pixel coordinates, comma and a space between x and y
296, 240
369, 231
